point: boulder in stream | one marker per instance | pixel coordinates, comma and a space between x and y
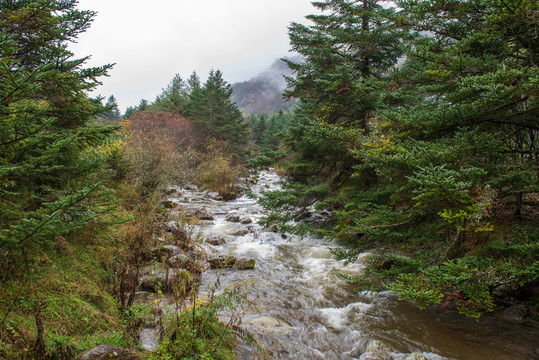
222, 261
199, 213
241, 232
246, 221
215, 196
515, 313
244, 264
270, 325
106, 352
376, 350
233, 218
216, 240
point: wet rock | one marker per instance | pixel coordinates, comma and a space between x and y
233, 218
376, 350
506, 295
241, 232
222, 261
106, 352
215, 196
165, 251
169, 204
149, 338
179, 261
199, 213
515, 313
271, 325
216, 240
244, 264
171, 226
191, 187
246, 221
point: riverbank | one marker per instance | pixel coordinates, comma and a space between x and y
286, 297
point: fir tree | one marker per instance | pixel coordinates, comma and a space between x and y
173, 97
112, 113
348, 54
46, 124
212, 108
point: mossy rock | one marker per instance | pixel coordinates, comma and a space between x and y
244, 264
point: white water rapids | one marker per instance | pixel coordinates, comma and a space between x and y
306, 311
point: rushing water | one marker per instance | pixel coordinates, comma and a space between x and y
306, 311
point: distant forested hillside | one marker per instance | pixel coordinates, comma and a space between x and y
263, 93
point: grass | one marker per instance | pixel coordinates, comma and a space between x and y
69, 290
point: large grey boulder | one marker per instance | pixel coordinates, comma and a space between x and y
106, 352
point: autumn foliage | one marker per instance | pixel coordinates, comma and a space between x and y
159, 149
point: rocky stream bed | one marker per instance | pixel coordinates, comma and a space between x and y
304, 310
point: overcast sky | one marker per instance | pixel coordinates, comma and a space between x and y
152, 41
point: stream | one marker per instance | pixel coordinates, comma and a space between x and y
304, 310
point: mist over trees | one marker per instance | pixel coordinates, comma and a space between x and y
263, 93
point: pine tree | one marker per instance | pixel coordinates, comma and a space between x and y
348, 54
173, 97
450, 138
112, 113
46, 124
212, 108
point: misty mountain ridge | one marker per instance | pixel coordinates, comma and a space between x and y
263, 93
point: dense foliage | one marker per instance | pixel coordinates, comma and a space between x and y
417, 133
48, 170
80, 199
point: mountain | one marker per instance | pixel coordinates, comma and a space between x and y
263, 93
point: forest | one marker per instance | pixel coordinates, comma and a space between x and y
415, 139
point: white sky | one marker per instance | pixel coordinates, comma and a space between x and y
152, 41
